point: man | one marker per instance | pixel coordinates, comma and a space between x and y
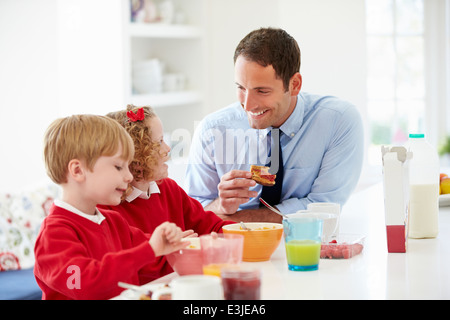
321, 137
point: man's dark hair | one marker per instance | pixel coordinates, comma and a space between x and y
271, 46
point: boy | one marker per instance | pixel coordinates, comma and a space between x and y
83, 252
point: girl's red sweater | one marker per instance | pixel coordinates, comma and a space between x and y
171, 204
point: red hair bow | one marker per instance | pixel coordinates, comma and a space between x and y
133, 117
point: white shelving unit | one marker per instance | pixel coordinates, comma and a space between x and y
168, 99
163, 30
180, 47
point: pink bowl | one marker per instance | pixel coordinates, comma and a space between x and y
189, 260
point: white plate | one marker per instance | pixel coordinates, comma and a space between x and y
129, 294
444, 200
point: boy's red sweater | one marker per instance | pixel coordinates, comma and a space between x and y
80, 259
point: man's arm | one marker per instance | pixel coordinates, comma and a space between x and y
254, 215
340, 166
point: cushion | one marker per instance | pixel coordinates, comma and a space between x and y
21, 215
19, 285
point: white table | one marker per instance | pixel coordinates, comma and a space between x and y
423, 272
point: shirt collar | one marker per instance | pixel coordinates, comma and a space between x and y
293, 124
96, 218
137, 193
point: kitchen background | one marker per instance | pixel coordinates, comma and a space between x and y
390, 58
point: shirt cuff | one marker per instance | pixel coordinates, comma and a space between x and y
291, 205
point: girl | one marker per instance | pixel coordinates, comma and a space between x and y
154, 198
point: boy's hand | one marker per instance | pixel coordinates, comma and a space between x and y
189, 234
167, 238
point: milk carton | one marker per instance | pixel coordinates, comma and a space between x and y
423, 218
396, 196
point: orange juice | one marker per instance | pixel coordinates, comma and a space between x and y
213, 269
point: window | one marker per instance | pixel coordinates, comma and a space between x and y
396, 74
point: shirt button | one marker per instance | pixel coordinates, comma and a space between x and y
292, 134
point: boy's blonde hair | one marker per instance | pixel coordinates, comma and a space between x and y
83, 137
146, 151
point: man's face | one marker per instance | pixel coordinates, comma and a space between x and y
262, 94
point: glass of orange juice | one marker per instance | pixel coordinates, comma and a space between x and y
219, 250
302, 234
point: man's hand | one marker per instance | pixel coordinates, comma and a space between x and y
233, 191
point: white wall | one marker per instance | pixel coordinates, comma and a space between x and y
331, 36
332, 40
28, 82
229, 21
90, 56
60, 57
56, 58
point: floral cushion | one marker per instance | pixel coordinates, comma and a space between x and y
21, 216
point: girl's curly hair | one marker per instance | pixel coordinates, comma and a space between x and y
146, 151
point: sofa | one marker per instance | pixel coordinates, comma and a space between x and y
21, 215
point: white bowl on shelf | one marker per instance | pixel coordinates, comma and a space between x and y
145, 85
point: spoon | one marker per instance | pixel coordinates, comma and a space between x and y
272, 208
132, 287
244, 227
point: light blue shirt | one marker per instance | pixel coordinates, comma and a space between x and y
322, 145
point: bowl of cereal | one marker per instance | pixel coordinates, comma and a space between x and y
260, 241
188, 260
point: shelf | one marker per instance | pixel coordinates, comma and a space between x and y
162, 30
180, 46
166, 99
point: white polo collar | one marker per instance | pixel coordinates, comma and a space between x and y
137, 193
96, 218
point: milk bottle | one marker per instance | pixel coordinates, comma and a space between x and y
424, 188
